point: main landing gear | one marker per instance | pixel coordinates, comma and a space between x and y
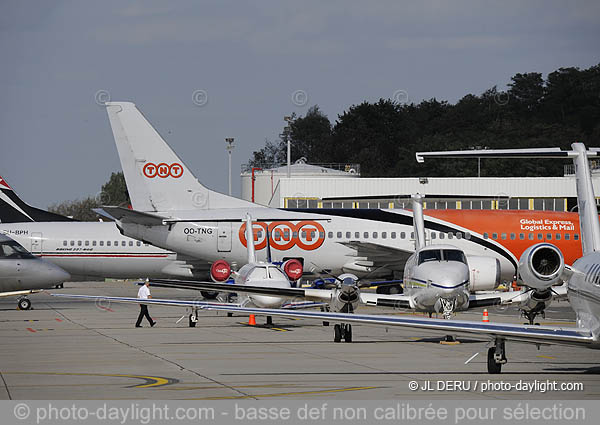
496, 357
23, 303
342, 331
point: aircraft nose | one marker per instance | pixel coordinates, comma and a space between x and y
55, 274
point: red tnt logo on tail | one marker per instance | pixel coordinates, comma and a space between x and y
163, 170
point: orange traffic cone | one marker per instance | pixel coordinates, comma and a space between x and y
252, 320
486, 318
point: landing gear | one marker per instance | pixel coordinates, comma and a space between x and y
448, 306
342, 331
209, 295
496, 357
530, 315
269, 321
23, 303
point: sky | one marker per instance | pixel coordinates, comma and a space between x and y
203, 71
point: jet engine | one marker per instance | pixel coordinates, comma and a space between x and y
541, 266
293, 269
220, 271
484, 273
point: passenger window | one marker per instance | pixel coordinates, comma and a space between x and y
138, 243
467, 236
64, 243
78, 243
93, 243
531, 236
494, 235
450, 235
442, 235
366, 235
412, 235
576, 237
393, 235
521, 236
348, 235
72, 243
101, 243
339, 235
107, 243
567, 236
383, 235
357, 235
549, 236
330, 235
116, 243
557, 236
402, 235
433, 235
540, 236
512, 236
503, 236
485, 236
458, 235
87, 243
374, 235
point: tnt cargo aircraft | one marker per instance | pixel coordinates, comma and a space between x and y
22, 273
173, 210
89, 250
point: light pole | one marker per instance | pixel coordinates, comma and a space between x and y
287, 129
229, 147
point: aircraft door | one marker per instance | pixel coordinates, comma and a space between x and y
36, 243
224, 237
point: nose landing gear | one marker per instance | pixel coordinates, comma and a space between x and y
342, 331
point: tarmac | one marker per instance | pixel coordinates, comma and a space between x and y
71, 349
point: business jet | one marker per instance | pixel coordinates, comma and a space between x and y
22, 273
89, 250
173, 210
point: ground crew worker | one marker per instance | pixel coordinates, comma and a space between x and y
144, 293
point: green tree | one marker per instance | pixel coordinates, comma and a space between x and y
114, 192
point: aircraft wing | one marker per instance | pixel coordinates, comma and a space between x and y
149, 301
384, 300
126, 215
379, 255
522, 333
307, 294
487, 299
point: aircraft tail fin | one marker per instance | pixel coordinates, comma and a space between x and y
14, 210
586, 200
418, 221
157, 179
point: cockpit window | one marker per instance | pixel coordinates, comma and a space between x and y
454, 255
12, 250
430, 255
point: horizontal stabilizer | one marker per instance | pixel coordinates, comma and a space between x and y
125, 215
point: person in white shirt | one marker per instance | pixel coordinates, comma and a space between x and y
144, 293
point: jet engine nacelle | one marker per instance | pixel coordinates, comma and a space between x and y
484, 273
220, 271
541, 266
293, 269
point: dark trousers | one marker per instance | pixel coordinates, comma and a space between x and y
143, 313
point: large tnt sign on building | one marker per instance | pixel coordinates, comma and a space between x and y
284, 235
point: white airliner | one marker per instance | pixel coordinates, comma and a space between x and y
89, 250
22, 273
173, 210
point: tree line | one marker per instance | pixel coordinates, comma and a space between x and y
384, 136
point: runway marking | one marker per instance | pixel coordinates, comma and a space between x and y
547, 357
336, 390
58, 320
264, 327
106, 308
149, 381
31, 330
